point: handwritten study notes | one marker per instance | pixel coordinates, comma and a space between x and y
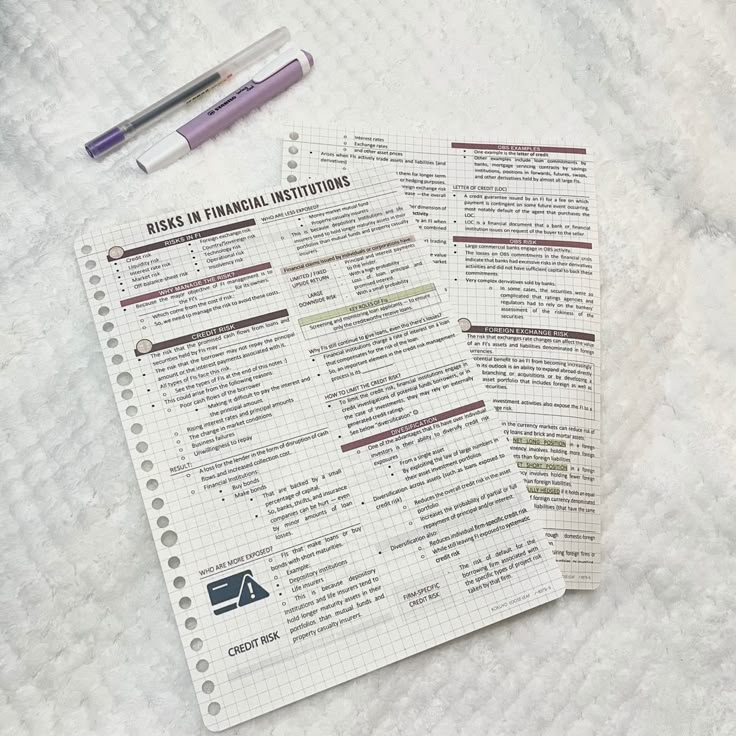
513, 233
328, 486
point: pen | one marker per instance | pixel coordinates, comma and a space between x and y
224, 70
286, 69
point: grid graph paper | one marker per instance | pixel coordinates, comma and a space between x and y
328, 486
512, 232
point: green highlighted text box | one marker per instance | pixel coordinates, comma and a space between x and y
363, 306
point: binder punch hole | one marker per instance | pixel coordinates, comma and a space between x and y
162, 522
291, 164
131, 410
294, 136
168, 538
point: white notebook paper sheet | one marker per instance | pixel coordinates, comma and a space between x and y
328, 486
513, 232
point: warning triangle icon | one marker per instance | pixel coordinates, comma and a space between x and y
251, 592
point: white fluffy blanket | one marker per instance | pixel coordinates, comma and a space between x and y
88, 641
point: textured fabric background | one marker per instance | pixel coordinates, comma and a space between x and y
88, 642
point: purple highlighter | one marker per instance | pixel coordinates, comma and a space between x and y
277, 76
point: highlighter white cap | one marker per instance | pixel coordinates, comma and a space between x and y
165, 152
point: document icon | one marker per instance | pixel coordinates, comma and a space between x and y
235, 591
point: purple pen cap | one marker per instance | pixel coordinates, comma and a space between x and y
104, 142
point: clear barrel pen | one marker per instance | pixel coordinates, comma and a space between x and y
127, 129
